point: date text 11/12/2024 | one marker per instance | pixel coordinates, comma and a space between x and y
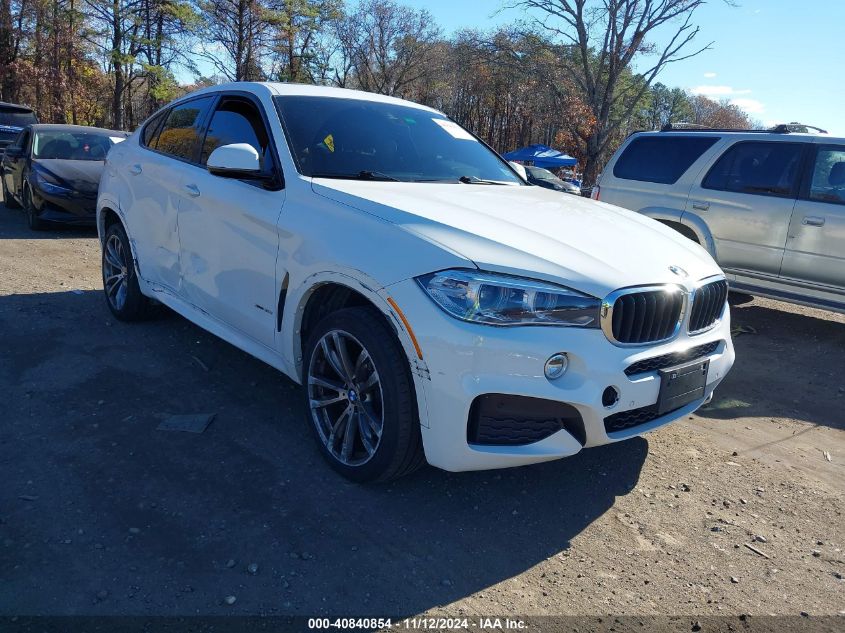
420, 623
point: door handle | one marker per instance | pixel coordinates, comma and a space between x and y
701, 206
135, 169
192, 190
813, 220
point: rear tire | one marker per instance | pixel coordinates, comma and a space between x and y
8, 200
120, 283
357, 380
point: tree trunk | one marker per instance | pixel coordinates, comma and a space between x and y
117, 65
7, 52
592, 160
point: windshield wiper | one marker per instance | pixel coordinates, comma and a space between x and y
475, 180
361, 175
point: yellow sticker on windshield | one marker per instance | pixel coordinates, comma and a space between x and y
329, 142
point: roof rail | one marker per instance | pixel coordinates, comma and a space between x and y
780, 129
795, 126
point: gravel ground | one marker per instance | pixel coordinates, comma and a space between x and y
102, 514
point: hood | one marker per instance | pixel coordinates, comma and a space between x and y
590, 246
80, 175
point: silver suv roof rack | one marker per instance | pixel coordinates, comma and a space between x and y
692, 127
781, 128
795, 126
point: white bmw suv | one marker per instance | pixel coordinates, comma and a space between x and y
432, 304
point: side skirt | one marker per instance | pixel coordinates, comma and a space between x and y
221, 330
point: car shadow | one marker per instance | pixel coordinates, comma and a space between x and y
166, 523
13, 226
767, 339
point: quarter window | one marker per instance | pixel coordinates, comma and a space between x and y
828, 182
150, 133
180, 133
661, 159
763, 168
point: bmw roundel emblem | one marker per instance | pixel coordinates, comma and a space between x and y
678, 271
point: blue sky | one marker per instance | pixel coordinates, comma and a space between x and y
779, 60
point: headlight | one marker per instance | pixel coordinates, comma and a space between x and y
496, 299
41, 179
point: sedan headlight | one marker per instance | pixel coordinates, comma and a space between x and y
45, 185
496, 299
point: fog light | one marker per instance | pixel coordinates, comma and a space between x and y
556, 366
610, 397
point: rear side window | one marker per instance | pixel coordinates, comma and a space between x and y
179, 135
757, 167
17, 117
661, 159
150, 133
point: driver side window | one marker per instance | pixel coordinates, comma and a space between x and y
828, 180
237, 120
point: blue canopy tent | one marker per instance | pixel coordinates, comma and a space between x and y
541, 156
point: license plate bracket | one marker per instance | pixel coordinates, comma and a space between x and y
681, 384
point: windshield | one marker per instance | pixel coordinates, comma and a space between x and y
542, 174
17, 118
71, 145
354, 138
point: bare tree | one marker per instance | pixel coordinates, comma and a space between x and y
718, 114
116, 35
599, 41
235, 34
389, 46
10, 46
297, 40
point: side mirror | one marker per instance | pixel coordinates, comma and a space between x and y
14, 152
519, 169
238, 160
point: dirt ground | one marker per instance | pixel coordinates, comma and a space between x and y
102, 514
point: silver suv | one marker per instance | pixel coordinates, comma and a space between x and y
768, 206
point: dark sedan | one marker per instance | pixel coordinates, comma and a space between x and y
53, 171
544, 178
13, 118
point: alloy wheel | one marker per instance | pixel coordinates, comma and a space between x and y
115, 272
345, 398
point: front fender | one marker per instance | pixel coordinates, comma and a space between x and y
297, 298
378, 297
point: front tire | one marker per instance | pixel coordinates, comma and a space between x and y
120, 283
35, 223
360, 397
8, 200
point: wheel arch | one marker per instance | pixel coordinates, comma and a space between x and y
683, 229
107, 214
698, 225
323, 293
687, 224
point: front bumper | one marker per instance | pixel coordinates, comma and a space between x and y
466, 360
74, 208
